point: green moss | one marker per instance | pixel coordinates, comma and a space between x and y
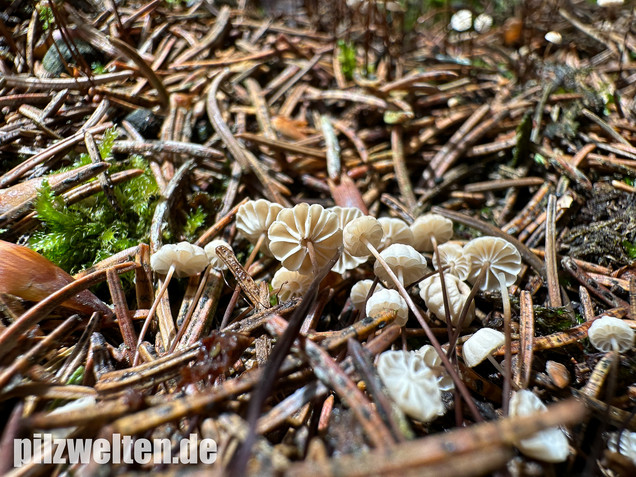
194, 221
347, 58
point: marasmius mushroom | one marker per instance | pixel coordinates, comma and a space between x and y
304, 237
391, 300
624, 443
453, 260
433, 361
254, 218
407, 263
429, 227
481, 345
611, 334
360, 292
214, 260
456, 290
346, 260
395, 231
289, 283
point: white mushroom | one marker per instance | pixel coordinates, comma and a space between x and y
362, 235
395, 231
480, 346
360, 291
390, 300
407, 263
433, 361
452, 256
210, 251
304, 237
497, 257
626, 445
411, 384
457, 292
346, 260
254, 218
290, 284
549, 445
461, 20
428, 227
185, 258
611, 334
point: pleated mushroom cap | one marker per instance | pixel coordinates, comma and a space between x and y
430, 225
346, 260
432, 360
295, 227
210, 251
365, 227
290, 284
457, 291
187, 259
395, 231
254, 219
480, 345
608, 333
390, 300
404, 260
625, 446
499, 256
360, 291
452, 256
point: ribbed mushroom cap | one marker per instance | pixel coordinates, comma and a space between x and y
457, 291
395, 231
430, 225
404, 260
452, 256
500, 257
608, 333
549, 445
360, 291
480, 345
388, 300
346, 260
295, 227
626, 445
289, 284
411, 384
254, 219
365, 227
187, 259
210, 251
432, 360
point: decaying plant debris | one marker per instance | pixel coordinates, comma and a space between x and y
125, 126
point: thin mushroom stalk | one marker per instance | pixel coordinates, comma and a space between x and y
505, 298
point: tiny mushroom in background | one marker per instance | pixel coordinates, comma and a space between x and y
611, 334
395, 231
481, 345
210, 251
407, 263
411, 384
362, 236
429, 227
457, 291
305, 237
346, 260
452, 257
434, 362
624, 443
360, 291
254, 218
549, 445
390, 300
290, 284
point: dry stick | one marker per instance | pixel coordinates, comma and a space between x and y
464, 313
215, 229
526, 341
122, 312
447, 364
554, 290
632, 297
104, 179
399, 165
57, 84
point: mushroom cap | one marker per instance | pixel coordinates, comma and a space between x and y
500, 256
360, 291
346, 260
432, 360
366, 227
303, 223
395, 231
402, 259
452, 255
457, 291
431, 225
255, 217
549, 445
626, 445
385, 299
187, 259
210, 251
411, 384
480, 345
608, 331
290, 283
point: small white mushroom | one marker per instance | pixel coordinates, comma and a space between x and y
452, 256
461, 20
361, 235
411, 384
497, 257
429, 226
483, 22
395, 231
210, 251
549, 445
391, 300
407, 263
254, 218
290, 284
611, 334
187, 259
457, 291
480, 346
360, 291
625, 446
346, 260
433, 361
304, 237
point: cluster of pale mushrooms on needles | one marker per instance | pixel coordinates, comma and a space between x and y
306, 237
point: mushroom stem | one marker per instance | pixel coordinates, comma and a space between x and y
447, 315
152, 312
312, 257
497, 366
466, 307
459, 384
505, 298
